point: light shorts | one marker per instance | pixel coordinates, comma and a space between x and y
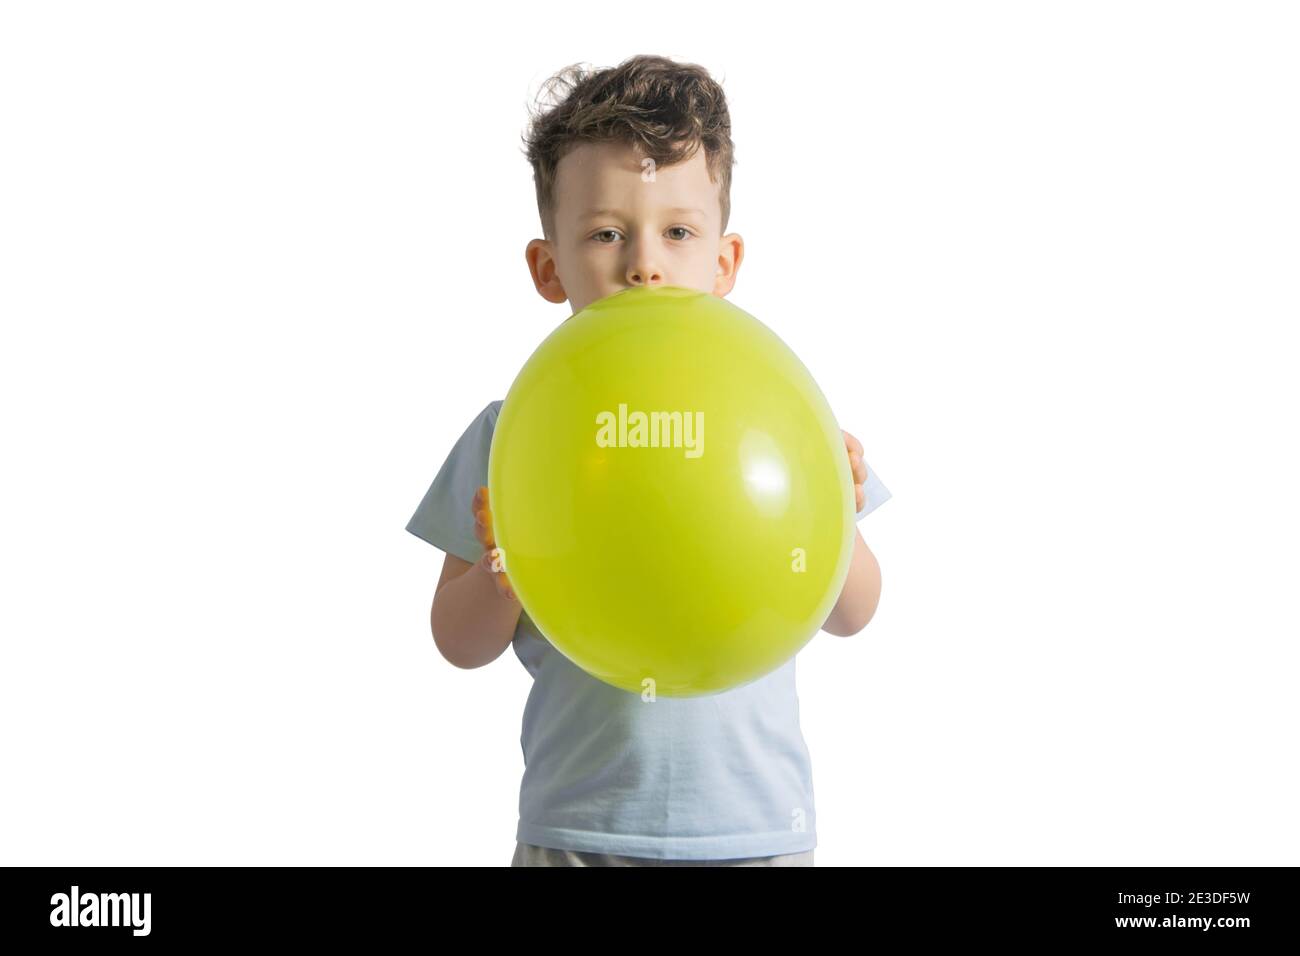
526, 854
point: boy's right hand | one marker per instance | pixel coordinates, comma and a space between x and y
483, 531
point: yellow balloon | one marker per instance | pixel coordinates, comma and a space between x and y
672, 494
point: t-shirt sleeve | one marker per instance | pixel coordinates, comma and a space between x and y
444, 518
874, 492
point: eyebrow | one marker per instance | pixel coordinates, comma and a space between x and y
680, 210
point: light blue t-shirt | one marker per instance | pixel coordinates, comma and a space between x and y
694, 778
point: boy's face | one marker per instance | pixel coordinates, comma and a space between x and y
614, 229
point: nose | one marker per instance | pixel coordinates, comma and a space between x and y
641, 268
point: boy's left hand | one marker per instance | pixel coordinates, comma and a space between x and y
859, 469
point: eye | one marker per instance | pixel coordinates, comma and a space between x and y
683, 229
605, 232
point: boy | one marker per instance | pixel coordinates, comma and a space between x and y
633, 171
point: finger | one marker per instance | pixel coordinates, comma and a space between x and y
478, 508
857, 467
492, 561
860, 496
853, 444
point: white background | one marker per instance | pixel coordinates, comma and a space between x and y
261, 263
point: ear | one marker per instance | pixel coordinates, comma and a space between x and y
731, 252
541, 264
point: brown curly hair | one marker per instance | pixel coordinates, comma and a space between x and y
665, 108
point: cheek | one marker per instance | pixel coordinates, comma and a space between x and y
587, 262
702, 263
705, 266
595, 269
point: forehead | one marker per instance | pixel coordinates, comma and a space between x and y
604, 175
